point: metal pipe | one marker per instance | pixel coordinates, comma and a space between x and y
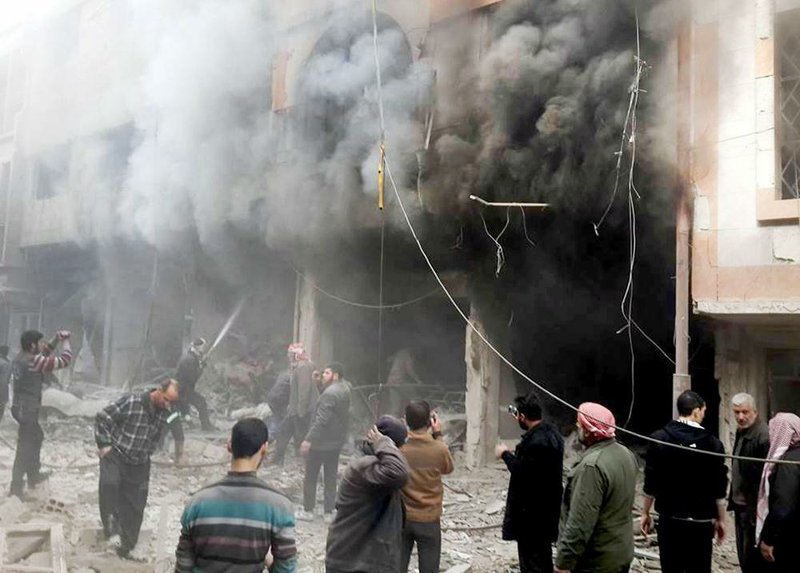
505, 204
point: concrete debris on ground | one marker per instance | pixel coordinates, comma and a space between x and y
473, 507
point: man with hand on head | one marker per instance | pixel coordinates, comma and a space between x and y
366, 534
429, 459
127, 433
232, 525
534, 489
325, 439
29, 371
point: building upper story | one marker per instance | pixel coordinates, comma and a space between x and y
743, 59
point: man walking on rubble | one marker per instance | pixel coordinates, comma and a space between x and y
127, 433
324, 441
533, 503
234, 523
366, 534
188, 372
689, 490
36, 360
752, 441
5, 377
596, 533
429, 459
303, 394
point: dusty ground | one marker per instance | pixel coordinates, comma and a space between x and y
473, 507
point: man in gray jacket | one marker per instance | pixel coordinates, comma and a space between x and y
366, 534
325, 439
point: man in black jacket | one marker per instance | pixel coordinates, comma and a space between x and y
533, 504
689, 490
188, 372
752, 440
325, 439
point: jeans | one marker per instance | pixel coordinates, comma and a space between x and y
428, 537
123, 496
329, 461
685, 546
29, 445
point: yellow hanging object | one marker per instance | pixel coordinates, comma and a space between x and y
381, 168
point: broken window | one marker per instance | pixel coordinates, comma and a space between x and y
52, 172
788, 42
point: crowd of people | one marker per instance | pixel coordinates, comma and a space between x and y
390, 496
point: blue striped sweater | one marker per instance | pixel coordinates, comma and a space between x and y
231, 525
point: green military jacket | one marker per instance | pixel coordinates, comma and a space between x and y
596, 529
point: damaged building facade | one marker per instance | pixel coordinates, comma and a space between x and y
111, 185
68, 133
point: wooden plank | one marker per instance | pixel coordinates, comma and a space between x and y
59, 559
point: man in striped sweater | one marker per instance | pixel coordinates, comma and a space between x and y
29, 374
233, 524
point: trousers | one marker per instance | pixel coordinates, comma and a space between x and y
30, 436
293, 428
428, 537
191, 397
535, 556
122, 497
685, 546
328, 461
750, 559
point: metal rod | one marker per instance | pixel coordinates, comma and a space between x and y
505, 204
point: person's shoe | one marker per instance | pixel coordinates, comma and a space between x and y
329, 517
122, 552
114, 541
38, 478
304, 515
17, 490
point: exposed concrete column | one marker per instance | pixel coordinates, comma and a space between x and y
484, 374
306, 317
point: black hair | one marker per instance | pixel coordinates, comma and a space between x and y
688, 401
418, 415
247, 437
336, 368
529, 407
28, 338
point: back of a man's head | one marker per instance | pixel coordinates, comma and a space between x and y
247, 437
29, 340
688, 402
529, 407
418, 415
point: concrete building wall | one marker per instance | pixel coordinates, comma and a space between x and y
745, 239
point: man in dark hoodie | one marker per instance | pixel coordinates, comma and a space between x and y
366, 534
533, 504
689, 490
